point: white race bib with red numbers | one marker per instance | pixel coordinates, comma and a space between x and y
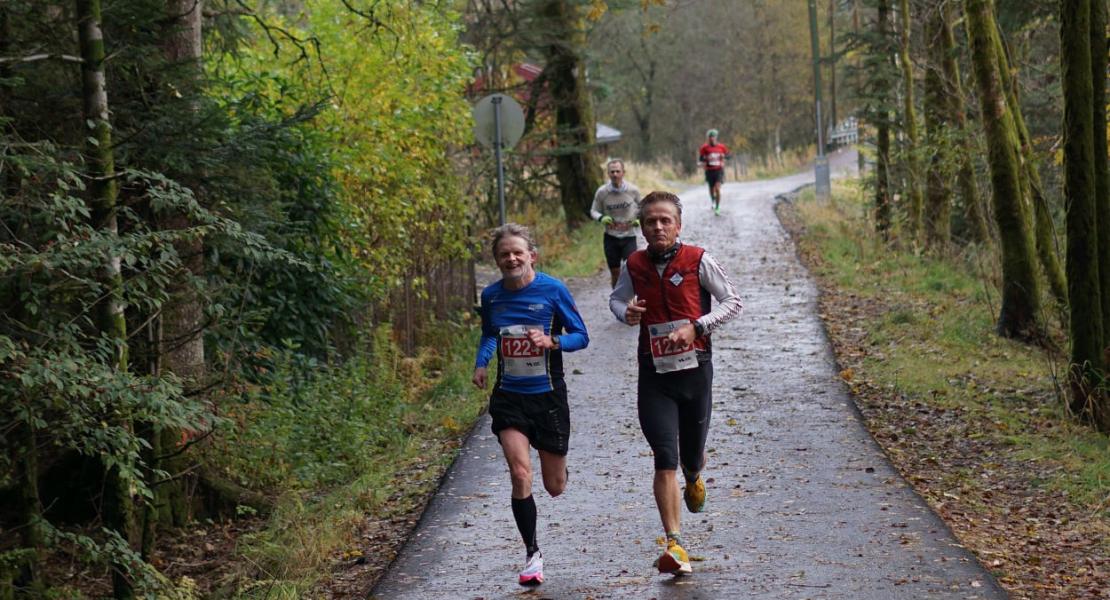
713, 159
667, 355
520, 357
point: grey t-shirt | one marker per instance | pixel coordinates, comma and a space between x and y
622, 204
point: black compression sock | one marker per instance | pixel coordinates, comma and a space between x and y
524, 512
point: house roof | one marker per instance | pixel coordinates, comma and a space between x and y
606, 134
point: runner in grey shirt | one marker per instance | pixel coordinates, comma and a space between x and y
616, 205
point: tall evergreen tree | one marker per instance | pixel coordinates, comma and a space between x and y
1031, 186
974, 207
177, 336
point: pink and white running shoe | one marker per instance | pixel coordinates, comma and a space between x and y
533, 571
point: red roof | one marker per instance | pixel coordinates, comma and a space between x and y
528, 72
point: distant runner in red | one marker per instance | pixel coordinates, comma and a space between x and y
712, 156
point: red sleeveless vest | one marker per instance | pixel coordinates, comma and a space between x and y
677, 294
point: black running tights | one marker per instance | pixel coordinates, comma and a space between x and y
674, 414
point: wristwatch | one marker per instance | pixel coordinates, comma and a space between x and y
699, 329
555, 345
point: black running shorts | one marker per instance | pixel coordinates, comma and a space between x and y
714, 176
618, 249
543, 418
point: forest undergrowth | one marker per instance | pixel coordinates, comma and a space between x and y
976, 423
350, 454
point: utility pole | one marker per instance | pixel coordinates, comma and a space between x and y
497, 154
821, 164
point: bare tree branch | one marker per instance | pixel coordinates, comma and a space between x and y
41, 56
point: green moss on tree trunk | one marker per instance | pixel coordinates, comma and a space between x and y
883, 207
116, 503
1101, 166
1019, 314
1032, 190
968, 185
1079, 188
576, 166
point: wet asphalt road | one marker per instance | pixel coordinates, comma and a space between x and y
801, 501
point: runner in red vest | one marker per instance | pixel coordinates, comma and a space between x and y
712, 156
666, 290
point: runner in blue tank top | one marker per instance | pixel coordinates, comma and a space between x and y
528, 320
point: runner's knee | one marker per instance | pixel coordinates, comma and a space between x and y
521, 476
555, 484
665, 459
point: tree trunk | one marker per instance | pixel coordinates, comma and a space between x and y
117, 507
938, 126
882, 143
576, 167
180, 341
183, 345
974, 208
30, 505
861, 160
643, 113
1102, 168
1018, 316
1079, 189
909, 115
1033, 191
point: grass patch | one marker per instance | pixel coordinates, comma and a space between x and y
577, 254
931, 338
649, 177
365, 440
976, 423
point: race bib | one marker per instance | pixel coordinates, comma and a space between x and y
520, 357
713, 159
667, 355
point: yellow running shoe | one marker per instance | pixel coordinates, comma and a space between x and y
694, 494
674, 560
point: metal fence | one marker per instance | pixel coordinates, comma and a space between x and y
432, 293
